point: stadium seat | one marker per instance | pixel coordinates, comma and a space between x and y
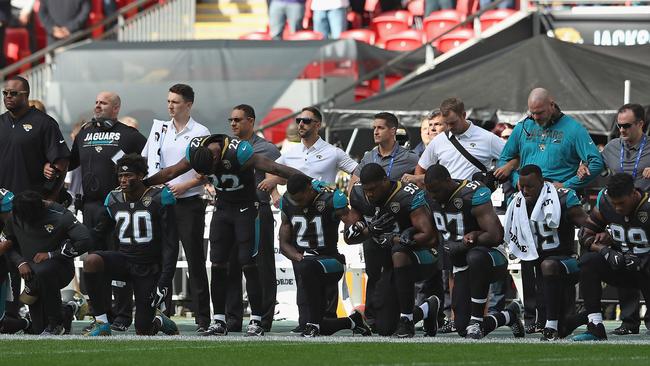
385, 26
375, 85
39, 29
454, 39
304, 35
355, 20
407, 40
466, 7
399, 14
278, 132
363, 35
440, 21
16, 46
123, 3
492, 17
416, 7
256, 36
96, 16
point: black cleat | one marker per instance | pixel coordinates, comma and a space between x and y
447, 327
405, 328
431, 322
474, 330
53, 330
625, 329
536, 327
549, 334
310, 331
119, 327
218, 328
516, 325
299, 329
254, 329
360, 326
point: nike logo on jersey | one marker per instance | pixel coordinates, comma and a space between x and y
243, 148
243, 209
61, 141
483, 194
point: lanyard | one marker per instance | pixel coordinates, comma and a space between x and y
638, 157
392, 159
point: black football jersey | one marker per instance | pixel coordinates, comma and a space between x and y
232, 182
403, 199
454, 218
630, 233
316, 228
142, 228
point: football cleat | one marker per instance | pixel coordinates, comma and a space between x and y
99, 329
474, 330
360, 325
595, 332
405, 328
299, 329
310, 331
549, 334
447, 327
625, 329
536, 327
167, 325
516, 325
119, 327
53, 330
201, 329
254, 329
218, 328
431, 322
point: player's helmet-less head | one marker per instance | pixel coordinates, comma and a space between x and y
622, 194
375, 182
28, 206
299, 187
202, 160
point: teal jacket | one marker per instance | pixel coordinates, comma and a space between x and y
557, 150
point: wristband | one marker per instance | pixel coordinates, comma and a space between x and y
20, 265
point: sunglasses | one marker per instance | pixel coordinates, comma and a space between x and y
13, 93
624, 126
305, 120
236, 119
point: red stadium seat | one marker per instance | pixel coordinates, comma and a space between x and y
454, 39
492, 17
278, 132
123, 3
363, 35
256, 36
355, 20
96, 16
416, 7
16, 46
405, 41
399, 14
439, 22
304, 35
385, 26
375, 85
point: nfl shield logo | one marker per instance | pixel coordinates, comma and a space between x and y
458, 203
226, 164
320, 206
643, 216
146, 201
394, 206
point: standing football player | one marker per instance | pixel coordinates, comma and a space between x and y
553, 235
309, 237
142, 219
621, 259
230, 164
472, 234
396, 216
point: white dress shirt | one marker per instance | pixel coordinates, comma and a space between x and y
172, 150
320, 161
482, 144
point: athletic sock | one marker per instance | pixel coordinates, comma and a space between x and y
595, 318
256, 318
102, 318
506, 316
551, 324
408, 316
220, 317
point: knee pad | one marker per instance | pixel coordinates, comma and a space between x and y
551, 267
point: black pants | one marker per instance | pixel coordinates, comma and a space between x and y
48, 279
122, 311
143, 277
630, 302
375, 259
190, 219
533, 290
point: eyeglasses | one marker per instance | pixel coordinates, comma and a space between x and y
305, 120
13, 93
624, 126
236, 119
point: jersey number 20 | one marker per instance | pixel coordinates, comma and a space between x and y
140, 224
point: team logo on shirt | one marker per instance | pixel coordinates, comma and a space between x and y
305, 210
27, 127
49, 228
320, 206
458, 203
146, 201
226, 164
98, 149
643, 216
394, 206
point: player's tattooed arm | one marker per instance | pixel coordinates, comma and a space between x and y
593, 234
491, 233
169, 173
355, 230
269, 166
426, 234
286, 248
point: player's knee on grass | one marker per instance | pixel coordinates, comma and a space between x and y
401, 259
93, 263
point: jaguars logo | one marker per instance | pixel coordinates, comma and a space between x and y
98, 149
394, 206
227, 164
305, 210
146, 201
643, 216
458, 203
27, 127
49, 228
320, 206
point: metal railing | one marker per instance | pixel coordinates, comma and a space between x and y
173, 21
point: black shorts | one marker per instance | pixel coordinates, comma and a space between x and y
143, 277
234, 225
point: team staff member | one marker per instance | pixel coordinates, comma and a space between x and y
165, 146
396, 161
242, 123
95, 149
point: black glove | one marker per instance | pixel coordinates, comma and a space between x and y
406, 238
381, 224
68, 250
386, 240
632, 262
158, 296
615, 258
355, 230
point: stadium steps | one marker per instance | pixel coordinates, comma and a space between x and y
229, 19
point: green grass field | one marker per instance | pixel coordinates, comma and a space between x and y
280, 348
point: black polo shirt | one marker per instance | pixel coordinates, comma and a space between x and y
96, 149
26, 144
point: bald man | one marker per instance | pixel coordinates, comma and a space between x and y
95, 150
